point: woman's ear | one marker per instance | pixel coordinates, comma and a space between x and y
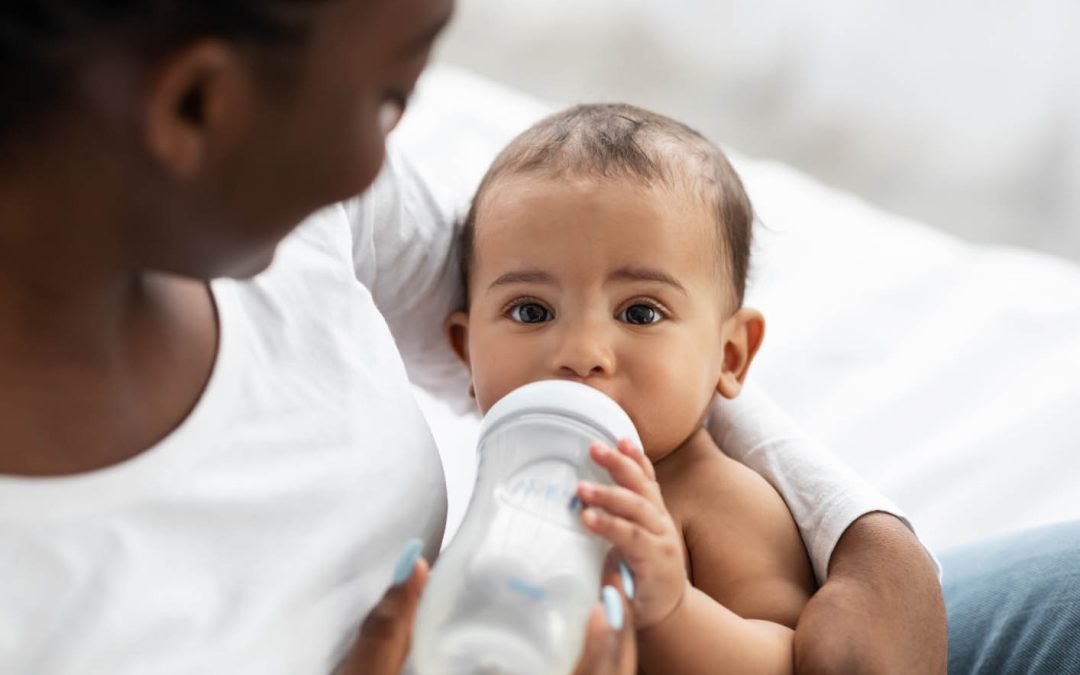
457, 331
197, 106
742, 334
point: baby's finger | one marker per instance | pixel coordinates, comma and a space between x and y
625, 471
630, 539
628, 448
618, 501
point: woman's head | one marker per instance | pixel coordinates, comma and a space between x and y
206, 129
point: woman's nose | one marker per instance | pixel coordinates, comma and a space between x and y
583, 354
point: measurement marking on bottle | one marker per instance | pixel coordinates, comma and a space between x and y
534, 592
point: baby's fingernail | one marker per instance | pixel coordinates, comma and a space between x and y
627, 580
613, 609
407, 561
589, 516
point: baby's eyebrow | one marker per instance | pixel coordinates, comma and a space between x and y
523, 277
645, 274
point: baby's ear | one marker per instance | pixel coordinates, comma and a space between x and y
742, 334
457, 331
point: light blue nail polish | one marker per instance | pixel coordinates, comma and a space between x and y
403, 569
627, 580
613, 607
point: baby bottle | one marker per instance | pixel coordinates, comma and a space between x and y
512, 591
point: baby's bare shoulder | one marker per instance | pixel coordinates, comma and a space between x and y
709, 483
744, 547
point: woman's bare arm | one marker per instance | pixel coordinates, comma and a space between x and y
880, 610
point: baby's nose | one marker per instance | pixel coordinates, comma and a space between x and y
584, 355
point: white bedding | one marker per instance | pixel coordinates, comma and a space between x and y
946, 373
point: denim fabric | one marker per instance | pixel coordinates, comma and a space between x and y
1014, 603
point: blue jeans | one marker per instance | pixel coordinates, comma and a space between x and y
1014, 603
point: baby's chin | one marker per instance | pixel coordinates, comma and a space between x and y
657, 446
656, 453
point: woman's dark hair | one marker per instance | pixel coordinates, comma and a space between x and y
43, 41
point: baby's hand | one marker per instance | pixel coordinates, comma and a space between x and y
636, 522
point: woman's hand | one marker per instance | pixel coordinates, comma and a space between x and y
636, 522
610, 648
383, 642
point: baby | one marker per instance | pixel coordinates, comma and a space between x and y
609, 245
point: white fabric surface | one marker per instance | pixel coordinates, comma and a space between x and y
947, 374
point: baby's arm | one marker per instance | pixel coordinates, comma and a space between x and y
749, 567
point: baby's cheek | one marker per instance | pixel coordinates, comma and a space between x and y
488, 390
498, 378
672, 411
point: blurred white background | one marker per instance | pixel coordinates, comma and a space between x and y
962, 114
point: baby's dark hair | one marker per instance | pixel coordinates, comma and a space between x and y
619, 141
43, 42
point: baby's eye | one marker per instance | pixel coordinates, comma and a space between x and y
530, 312
640, 315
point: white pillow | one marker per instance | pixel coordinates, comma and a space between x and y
948, 374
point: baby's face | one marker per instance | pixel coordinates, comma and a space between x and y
608, 283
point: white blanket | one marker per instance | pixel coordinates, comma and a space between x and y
946, 373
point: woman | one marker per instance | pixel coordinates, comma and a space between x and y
203, 474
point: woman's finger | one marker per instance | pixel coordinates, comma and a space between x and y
618, 501
609, 638
383, 642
